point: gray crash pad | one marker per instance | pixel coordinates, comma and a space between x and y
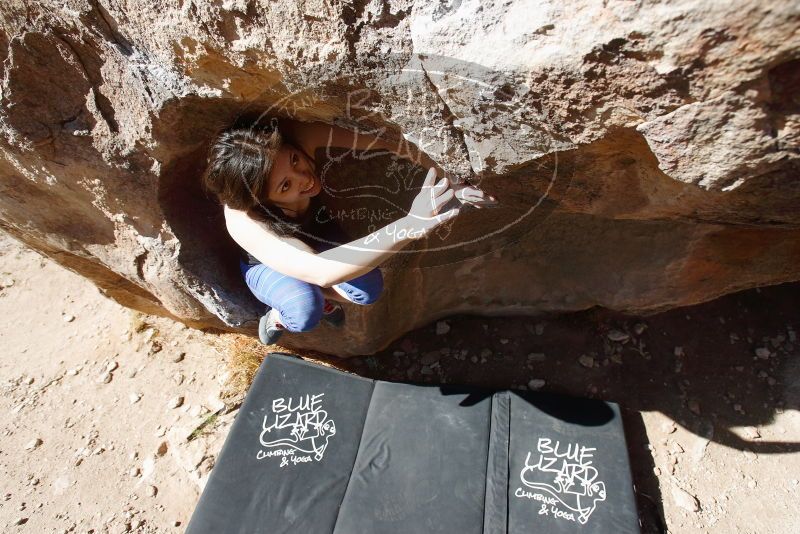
316, 450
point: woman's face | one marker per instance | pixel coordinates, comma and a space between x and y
292, 180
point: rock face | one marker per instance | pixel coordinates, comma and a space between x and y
646, 154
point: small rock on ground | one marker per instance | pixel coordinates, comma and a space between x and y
684, 499
618, 336
536, 383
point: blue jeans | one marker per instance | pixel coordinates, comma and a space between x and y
300, 303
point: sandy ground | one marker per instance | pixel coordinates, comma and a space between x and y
112, 419
87, 405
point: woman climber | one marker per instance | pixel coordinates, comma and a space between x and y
269, 186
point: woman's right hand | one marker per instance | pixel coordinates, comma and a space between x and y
424, 214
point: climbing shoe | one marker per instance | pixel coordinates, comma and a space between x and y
333, 313
270, 327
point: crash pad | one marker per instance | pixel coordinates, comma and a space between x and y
317, 450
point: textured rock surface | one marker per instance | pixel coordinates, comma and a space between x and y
646, 154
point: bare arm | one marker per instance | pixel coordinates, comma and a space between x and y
466, 193
293, 258
320, 135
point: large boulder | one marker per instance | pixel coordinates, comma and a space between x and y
646, 154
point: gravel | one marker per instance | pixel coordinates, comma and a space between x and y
536, 383
618, 336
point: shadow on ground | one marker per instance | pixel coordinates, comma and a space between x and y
711, 367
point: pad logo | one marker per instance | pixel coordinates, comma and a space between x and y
564, 475
297, 430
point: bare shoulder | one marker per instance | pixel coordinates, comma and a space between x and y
247, 230
239, 221
234, 218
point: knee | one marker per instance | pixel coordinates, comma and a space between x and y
369, 289
304, 316
370, 297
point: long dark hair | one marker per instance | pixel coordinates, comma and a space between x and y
237, 169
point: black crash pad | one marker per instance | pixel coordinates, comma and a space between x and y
315, 450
